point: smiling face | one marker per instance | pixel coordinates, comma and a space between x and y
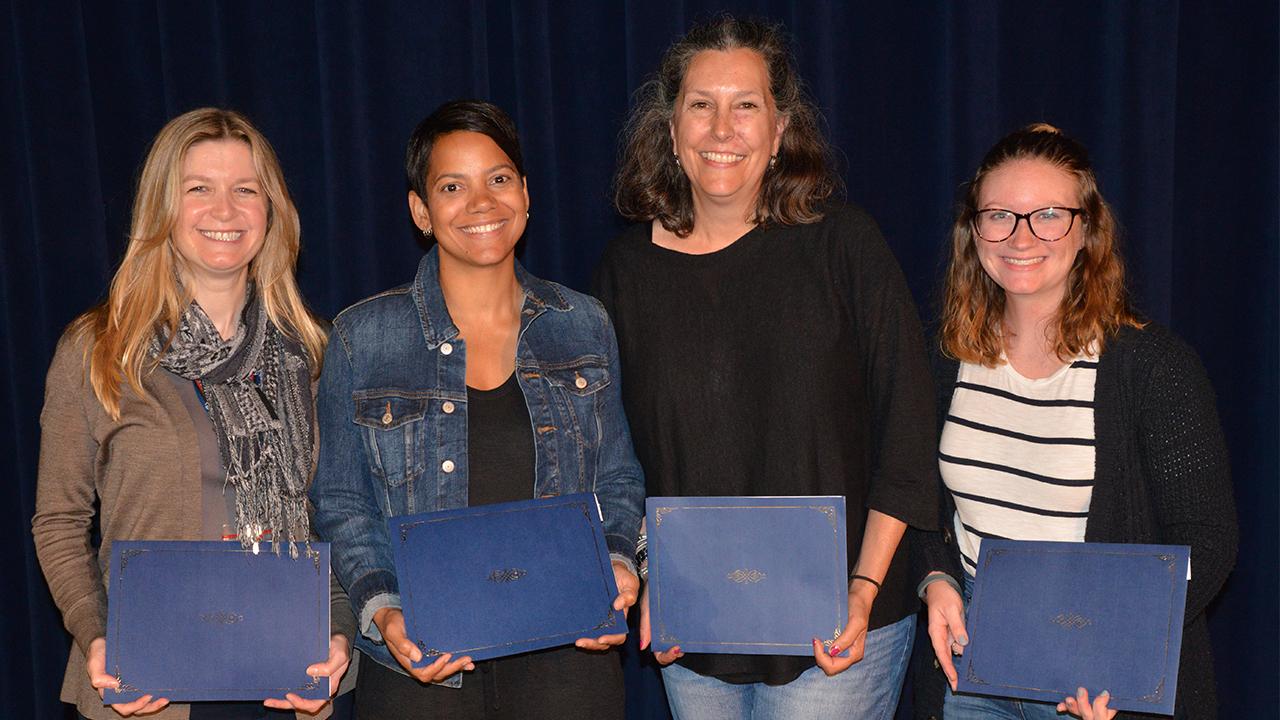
726, 126
1027, 268
476, 202
222, 216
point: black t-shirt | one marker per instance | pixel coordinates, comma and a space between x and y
500, 451
788, 363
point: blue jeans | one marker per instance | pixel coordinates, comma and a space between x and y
868, 691
981, 707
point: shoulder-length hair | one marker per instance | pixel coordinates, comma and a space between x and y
649, 185
1095, 304
146, 295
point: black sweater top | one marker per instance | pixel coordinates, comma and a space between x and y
789, 363
1162, 476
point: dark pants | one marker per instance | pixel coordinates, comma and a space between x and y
553, 684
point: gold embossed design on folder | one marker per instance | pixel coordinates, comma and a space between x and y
506, 575
1071, 620
743, 576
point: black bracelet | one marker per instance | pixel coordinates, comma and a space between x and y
864, 577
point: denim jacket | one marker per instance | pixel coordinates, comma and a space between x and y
392, 410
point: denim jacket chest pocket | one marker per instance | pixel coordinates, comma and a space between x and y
575, 401
394, 432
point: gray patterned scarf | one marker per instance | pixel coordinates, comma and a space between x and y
258, 393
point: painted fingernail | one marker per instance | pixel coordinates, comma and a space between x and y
1106, 693
963, 640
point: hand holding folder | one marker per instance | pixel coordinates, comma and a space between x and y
852, 642
628, 588
664, 657
333, 668
96, 666
390, 622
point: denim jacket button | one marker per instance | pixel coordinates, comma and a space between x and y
580, 382
447, 407
446, 349
447, 466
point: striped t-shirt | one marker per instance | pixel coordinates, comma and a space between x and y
1018, 454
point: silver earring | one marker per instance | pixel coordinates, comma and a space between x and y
677, 159
426, 233
526, 214
773, 161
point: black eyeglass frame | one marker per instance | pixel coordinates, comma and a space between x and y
1019, 217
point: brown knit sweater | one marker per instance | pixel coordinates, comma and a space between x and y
143, 469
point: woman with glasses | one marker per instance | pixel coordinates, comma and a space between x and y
1064, 416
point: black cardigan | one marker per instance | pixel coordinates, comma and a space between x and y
1162, 476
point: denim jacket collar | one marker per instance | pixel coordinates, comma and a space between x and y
437, 325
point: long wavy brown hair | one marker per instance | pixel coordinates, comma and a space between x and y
649, 185
1096, 303
146, 294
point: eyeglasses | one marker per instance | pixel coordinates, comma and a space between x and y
1050, 224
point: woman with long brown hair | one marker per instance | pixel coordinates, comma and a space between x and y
1064, 415
181, 407
770, 347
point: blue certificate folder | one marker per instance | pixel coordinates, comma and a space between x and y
747, 575
506, 578
192, 621
1049, 617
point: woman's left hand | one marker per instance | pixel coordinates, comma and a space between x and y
333, 668
628, 591
1079, 706
853, 637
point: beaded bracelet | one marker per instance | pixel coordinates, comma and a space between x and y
642, 556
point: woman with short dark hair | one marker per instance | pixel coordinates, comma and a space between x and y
428, 401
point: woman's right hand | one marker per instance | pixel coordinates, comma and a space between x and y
664, 658
1080, 707
390, 622
946, 626
95, 663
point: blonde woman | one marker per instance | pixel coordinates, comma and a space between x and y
181, 407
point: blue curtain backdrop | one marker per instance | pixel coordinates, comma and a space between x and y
1177, 101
